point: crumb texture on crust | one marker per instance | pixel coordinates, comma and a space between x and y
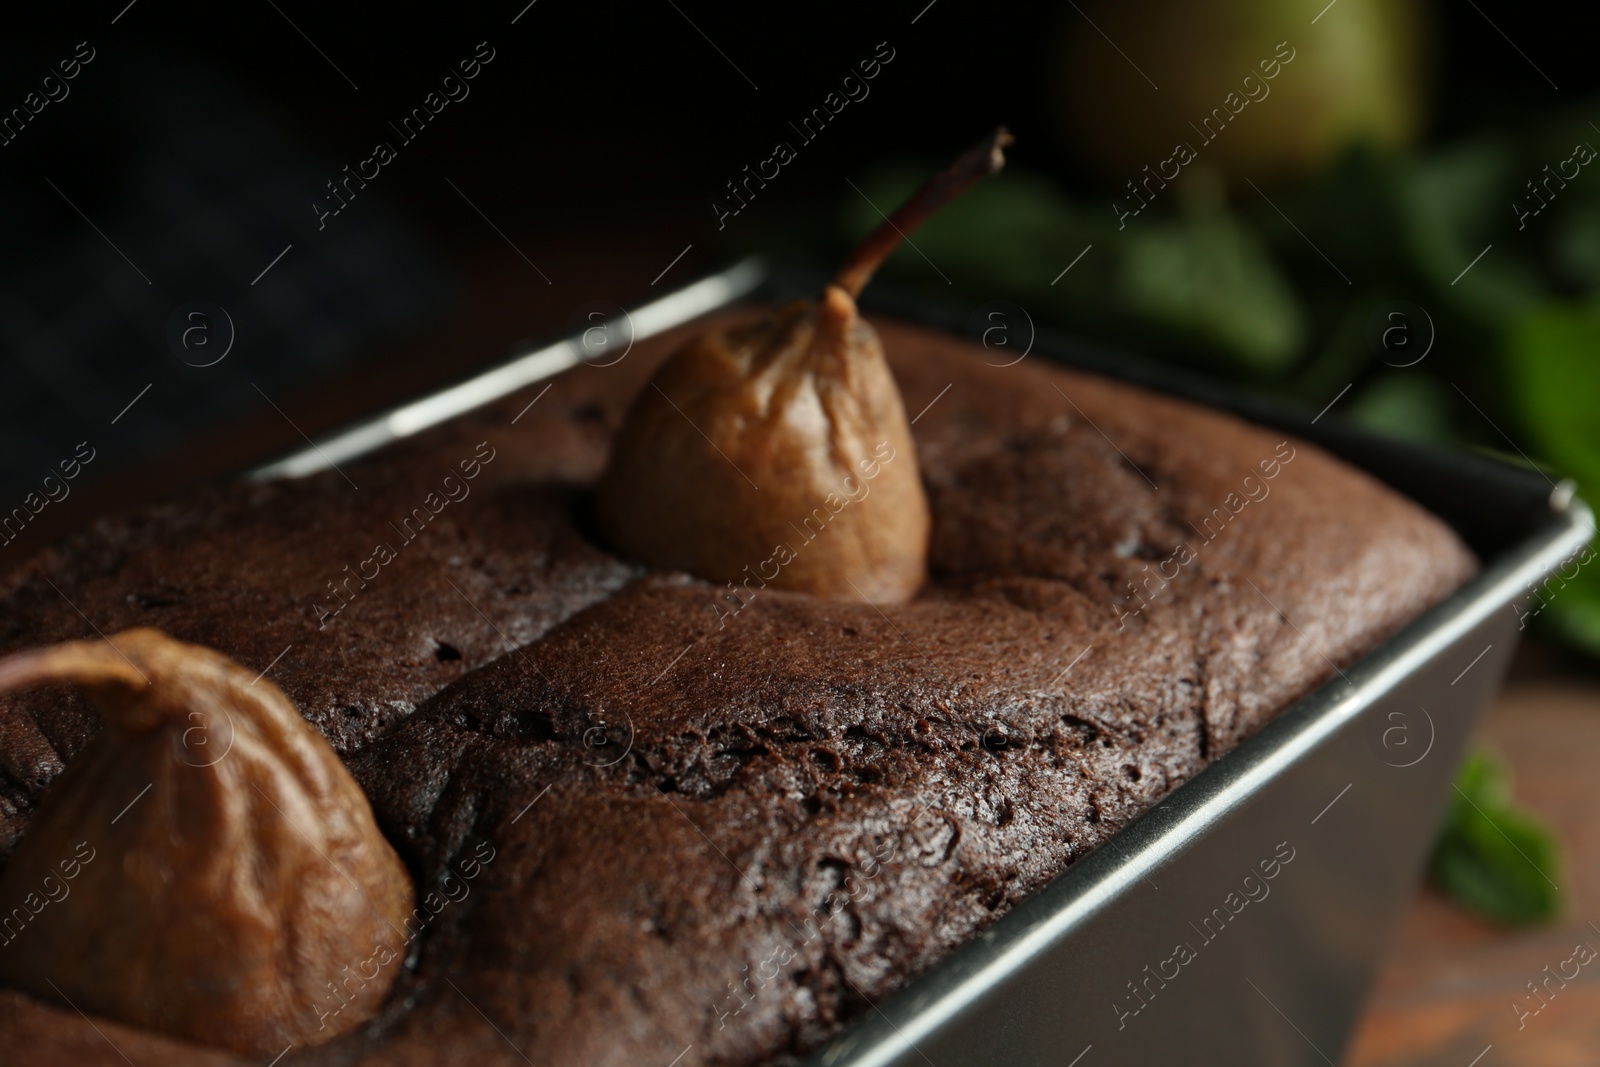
733, 819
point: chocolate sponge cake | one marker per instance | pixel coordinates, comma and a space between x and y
648, 816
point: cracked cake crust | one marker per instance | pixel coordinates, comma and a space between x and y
733, 818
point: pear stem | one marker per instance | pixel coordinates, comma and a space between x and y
978, 162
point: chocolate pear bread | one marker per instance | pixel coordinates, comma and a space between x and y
651, 816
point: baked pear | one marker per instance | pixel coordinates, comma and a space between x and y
777, 452
205, 867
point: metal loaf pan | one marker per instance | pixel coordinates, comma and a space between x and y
1351, 782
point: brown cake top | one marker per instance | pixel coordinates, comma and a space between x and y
731, 818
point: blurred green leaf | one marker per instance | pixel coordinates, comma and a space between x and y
1454, 204
1206, 274
1575, 246
1447, 199
1491, 857
1552, 356
1351, 215
1405, 405
1483, 780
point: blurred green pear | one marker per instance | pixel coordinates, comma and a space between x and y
1138, 77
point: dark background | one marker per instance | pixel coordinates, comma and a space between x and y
198, 138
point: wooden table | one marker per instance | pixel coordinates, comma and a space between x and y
1447, 992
